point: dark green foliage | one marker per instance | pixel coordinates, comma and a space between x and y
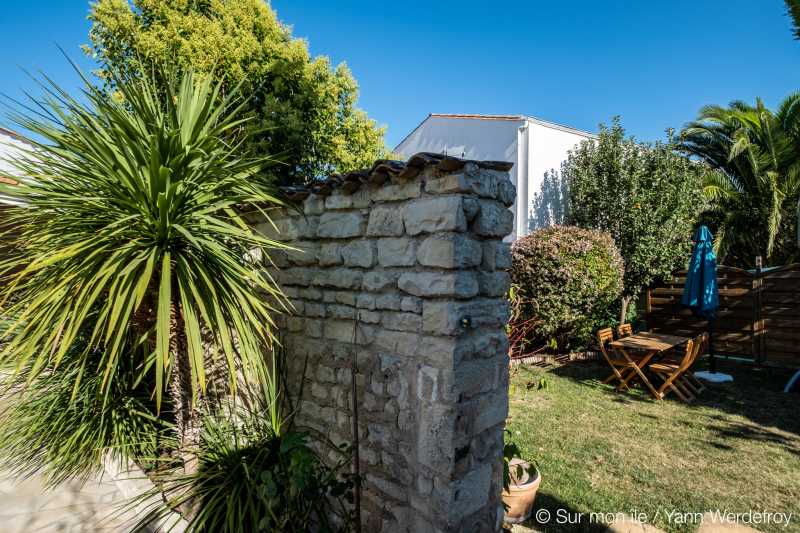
565, 281
250, 478
793, 11
646, 196
133, 229
303, 109
51, 427
754, 195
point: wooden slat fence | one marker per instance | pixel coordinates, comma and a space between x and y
758, 318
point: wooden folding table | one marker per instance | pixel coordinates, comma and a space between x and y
648, 345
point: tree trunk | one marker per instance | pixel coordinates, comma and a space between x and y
186, 412
626, 300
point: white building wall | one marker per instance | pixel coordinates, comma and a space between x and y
10, 146
549, 147
534, 146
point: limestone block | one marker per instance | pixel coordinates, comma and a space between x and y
429, 215
389, 301
471, 492
290, 228
444, 317
385, 222
461, 284
506, 192
340, 278
305, 253
358, 254
475, 377
493, 220
397, 191
472, 181
330, 253
314, 205
325, 374
451, 250
396, 252
377, 281
494, 283
341, 311
492, 410
496, 255
294, 276
369, 317
339, 200
435, 438
411, 304
402, 321
395, 342
336, 225
339, 297
340, 330
365, 301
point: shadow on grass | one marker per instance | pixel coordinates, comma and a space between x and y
756, 394
754, 433
562, 517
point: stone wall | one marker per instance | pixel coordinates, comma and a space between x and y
408, 276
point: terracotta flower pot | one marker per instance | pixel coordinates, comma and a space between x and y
521, 492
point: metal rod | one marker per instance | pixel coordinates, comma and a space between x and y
354, 401
713, 360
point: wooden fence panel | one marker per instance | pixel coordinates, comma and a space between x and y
758, 317
780, 315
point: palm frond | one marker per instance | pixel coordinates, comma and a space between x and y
793, 10
132, 227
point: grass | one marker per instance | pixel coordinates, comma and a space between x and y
737, 448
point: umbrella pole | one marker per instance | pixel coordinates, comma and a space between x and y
713, 360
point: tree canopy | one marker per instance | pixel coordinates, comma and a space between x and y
754, 193
304, 109
645, 195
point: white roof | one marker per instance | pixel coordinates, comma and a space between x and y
480, 137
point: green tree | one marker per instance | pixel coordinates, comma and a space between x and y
793, 10
645, 196
565, 282
754, 192
129, 249
304, 109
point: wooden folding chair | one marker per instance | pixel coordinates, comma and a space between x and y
625, 330
619, 365
670, 371
687, 378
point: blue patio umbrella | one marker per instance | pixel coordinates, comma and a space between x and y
700, 293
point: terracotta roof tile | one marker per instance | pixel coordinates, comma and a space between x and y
385, 169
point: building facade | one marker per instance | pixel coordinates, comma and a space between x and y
535, 146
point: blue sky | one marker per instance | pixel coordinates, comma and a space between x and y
578, 63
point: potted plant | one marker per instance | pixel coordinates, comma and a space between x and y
521, 481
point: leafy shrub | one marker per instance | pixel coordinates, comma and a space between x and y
252, 475
565, 283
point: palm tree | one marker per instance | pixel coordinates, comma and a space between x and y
752, 193
132, 242
793, 10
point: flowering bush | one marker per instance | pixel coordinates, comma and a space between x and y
565, 284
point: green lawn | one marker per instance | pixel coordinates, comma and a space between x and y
737, 448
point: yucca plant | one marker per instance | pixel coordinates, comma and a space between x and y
254, 475
133, 231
